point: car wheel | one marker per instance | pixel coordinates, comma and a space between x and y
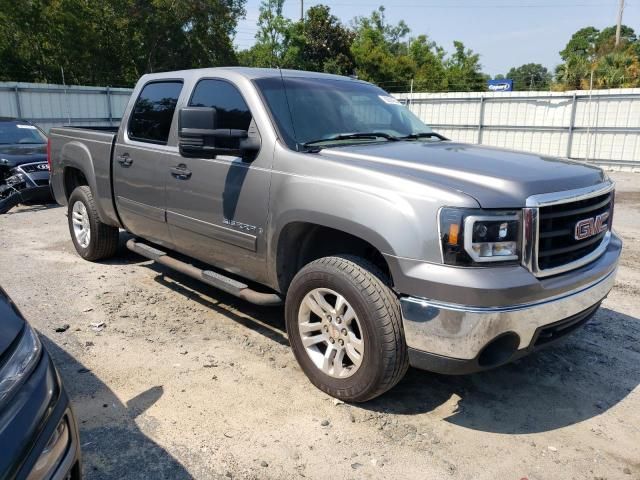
93, 239
345, 328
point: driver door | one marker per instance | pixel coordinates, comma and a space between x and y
217, 208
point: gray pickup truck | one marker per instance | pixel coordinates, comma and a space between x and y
389, 245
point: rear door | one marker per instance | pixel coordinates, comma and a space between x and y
141, 159
218, 212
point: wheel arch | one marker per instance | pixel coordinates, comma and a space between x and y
78, 169
313, 240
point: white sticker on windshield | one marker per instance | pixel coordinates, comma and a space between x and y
30, 127
389, 100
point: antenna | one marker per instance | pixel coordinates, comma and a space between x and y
286, 97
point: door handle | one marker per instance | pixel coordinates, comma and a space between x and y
125, 160
181, 172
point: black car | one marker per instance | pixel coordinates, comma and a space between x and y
38, 431
24, 170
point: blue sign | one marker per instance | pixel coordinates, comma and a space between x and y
504, 85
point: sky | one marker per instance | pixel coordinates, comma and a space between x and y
506, 33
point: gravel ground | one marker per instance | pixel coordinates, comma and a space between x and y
173, 379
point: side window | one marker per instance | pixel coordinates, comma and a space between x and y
231, 110
152, 114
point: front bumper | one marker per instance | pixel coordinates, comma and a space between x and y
453, 338
28, 423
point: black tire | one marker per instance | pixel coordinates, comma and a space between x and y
103, 242
366, 289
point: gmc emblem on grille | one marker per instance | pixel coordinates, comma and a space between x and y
591, 226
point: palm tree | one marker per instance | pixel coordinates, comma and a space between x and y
616, 70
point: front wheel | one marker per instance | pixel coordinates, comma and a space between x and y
345, 328
93, 239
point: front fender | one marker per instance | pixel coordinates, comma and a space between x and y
385, 218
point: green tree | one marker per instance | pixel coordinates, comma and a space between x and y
582, 44
531, 76
380, 51
174, 34
463, 70
617, 69
606, 41
113, 42
574, 73
591, 58
272, 39
320, 43
430, 74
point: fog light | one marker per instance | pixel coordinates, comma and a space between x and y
52, 453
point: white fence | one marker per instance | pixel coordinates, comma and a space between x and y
601, 126
49, 105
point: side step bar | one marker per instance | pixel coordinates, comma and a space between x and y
214, 279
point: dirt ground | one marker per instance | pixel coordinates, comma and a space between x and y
184, 381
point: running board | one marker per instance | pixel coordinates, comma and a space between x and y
217, 280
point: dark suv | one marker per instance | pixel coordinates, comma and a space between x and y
20, 142
24, 171
38, 432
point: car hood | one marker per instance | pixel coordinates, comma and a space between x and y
11, 323
19, 154
494, 177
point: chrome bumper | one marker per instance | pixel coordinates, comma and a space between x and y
461, 332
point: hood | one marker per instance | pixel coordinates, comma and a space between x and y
494, 177
19, 154
11, 323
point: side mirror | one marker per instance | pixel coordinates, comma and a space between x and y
197, 121
199, 136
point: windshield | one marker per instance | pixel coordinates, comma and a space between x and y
18, 132
320, 111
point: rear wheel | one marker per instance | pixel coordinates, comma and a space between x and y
345, 328
93, 239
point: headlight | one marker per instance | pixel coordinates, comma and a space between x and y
15, 179
20, 363
52, 453
469, 237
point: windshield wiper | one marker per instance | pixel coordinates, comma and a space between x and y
415, 136
353, 136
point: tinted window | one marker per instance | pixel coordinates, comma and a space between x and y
153, 112
313, 109
231, 109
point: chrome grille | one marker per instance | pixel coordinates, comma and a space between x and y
550, 242
557, 244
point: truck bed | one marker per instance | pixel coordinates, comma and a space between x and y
97, 128
87, 149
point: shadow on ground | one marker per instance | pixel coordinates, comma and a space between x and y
124, 256
566, 383
571, 381
267, 321
31, 207
112, 444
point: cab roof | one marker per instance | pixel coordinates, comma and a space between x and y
255, 73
